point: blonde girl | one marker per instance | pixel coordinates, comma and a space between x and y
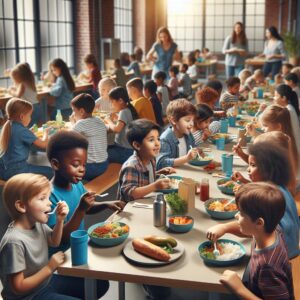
63, 88
24, 88
16, 140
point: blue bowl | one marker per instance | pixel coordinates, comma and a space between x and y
107, 242
200, 163
221, 263
169, 191
213, 138
181, 228
223, 189
220, 215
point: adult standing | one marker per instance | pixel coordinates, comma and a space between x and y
273, 52
235, 49
163, 51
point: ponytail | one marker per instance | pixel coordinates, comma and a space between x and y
286, 91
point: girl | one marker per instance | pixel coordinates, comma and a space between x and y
121, 150
93, 74
173, 82
269, 162
203, 127
28, 273
16, 139
119, 73
24, 88
63, 88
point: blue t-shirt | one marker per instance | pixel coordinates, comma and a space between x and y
21, 138
72, 198
62, 93
290, 224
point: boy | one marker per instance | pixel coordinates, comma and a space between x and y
94, 130
176, 141
261, 207
292, 80
185, 82
286, 69
134, 66
149, 92
255, 80
104, 87
231, 96
162, 90
25, 269
173, 82
192, 71
141, 104
138, 173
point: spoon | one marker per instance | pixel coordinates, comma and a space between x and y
199, 157
216, 252
102, 195
53, 211
232, 200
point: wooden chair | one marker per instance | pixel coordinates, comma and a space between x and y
105, 181
295, 264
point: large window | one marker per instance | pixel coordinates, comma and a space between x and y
192, 29
123, 24
35, 31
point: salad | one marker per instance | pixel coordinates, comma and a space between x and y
111, 230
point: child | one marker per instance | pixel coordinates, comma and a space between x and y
261, 207
286, 69
193, 69
104, 87
63, 88
134, 65
203, 125
16, 140
141, 104
231, 96
121, 150
269, 162
24, 88
176, 141
25, 270
119, 73
244, 75
185, 82
173, 82
207, 96
93, 74
138, 173
94, 130
162, 90
197, 55
292, 81
206, 54
255, 80
278, 80
149, 92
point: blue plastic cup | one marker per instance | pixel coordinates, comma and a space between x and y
220, 143
79, 247
231, 121
224, 126
260, 93
227, 163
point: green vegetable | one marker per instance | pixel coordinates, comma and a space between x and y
168, 248
177, 205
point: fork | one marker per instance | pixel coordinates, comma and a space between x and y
216, 252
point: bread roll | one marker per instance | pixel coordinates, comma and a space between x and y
150, 250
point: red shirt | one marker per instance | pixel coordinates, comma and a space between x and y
96, 77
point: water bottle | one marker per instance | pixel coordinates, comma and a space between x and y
59, 117
159, 211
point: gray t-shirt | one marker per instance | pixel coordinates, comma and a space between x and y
23, 251
126, 117
234, 59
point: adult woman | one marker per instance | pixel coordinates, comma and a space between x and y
235, 49
163, 51
273, 51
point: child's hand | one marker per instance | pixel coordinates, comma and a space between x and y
192, 154
232, 281
162, 184
113, 117
56, 260
250, 129
62, 210
206, 134
72, 119
236, 187
166, 171
237, 149
116, 205
237, 176
87, 201
215, 232
262, 107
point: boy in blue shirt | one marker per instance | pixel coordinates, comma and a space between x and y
67, 153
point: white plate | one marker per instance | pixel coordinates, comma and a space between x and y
141, 259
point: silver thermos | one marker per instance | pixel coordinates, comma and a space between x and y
159, 210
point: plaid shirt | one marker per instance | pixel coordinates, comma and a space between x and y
169, 148
132, 175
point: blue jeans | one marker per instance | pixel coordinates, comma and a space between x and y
233, 70
69, 288
118, 154
24, 167
272, 67
93, 170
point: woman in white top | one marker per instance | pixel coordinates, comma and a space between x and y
273, 52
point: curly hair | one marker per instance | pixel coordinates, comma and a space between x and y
207, 95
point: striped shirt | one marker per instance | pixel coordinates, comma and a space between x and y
95, 132
105, 105
270, 275
228, 100
214, 127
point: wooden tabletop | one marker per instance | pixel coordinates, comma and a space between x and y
189, 271
256, 62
